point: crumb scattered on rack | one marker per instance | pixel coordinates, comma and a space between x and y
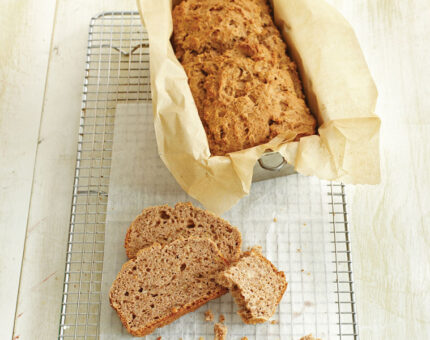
308, 304
221, 318
209, 315
303, 270
309, 337
304, 224
201, 338
297, 314
274, 322
244, 338
159, 338
220, 331
308, 273
299, 250
275, 219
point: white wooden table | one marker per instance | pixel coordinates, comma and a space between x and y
43, 46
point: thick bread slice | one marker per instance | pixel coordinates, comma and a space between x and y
165, 282
163, 224
256, 285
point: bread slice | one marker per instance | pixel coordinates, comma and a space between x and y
165, 282
163, 224
256, 285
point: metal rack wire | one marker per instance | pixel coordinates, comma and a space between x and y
117, 71
344, 283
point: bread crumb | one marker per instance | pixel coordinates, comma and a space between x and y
308, 273
304, 224
299, 250
159, 338
221, 318
201, 338
275, 219
220, 331
308, 304
244, 338
303, 270
209, 315
274, 322
309, 337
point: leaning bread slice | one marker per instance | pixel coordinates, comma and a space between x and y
164, 224
165, 282
256, 285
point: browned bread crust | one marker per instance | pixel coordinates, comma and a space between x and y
246, 88
164, 224
165, 282
256, 285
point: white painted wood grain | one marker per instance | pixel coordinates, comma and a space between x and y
48, 222
391, 220
24, 54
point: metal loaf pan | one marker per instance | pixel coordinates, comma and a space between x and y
271, 165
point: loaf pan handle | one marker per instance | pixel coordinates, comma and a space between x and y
272, 168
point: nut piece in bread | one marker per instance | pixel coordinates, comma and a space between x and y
163, 224
256, 285
165, 282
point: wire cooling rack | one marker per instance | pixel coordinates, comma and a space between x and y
117, 71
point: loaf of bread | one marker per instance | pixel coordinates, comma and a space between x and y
163, 224
256, 285
165, 282
246, 88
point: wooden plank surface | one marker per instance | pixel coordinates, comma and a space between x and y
391, 235
40, 293
24, 55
